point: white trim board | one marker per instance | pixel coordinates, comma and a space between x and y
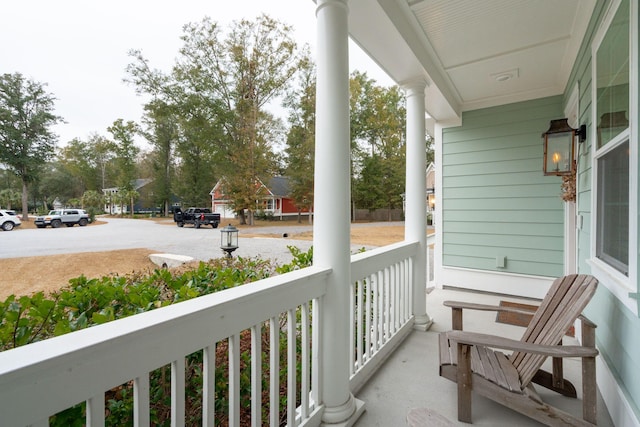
620, 410
518, 285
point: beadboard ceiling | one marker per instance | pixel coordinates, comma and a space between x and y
473, 53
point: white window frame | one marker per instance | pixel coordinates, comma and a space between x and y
620, 285
572, 112
270, 204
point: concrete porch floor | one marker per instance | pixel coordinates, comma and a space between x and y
409, 378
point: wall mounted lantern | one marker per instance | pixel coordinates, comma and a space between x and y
559, 147
229, 239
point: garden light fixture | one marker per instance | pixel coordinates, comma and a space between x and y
229, 239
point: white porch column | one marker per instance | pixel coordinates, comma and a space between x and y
416, 197
331, 240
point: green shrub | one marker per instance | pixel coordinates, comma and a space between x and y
300, 260
87, 302
264, 215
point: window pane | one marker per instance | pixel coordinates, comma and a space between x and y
613, 208
612, 74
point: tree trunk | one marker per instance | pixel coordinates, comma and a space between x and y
353, 210
25, 204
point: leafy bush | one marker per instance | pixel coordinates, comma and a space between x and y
300, 260
264, 215
92, 214
87, 302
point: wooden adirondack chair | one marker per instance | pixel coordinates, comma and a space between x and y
473, 361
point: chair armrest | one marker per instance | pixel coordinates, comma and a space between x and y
586, 321
473, 338
485, 307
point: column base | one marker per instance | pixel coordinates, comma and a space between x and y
335, 417
422, 322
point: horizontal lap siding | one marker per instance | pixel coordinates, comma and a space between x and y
496, 201
617, 332
617, 340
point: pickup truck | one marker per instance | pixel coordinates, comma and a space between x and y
196, 216
68, 217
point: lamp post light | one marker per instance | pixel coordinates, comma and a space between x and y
229, 239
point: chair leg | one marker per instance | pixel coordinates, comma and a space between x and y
589, 390
589, 386
557, 370
456, 319
464, 383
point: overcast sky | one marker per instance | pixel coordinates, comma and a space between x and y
79, 48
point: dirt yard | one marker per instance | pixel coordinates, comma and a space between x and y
24, 276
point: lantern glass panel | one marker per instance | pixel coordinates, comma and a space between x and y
559, 153
229, 237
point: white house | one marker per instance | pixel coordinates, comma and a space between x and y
113, 205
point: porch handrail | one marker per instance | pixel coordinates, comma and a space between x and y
381, 299
369, 262
41, 379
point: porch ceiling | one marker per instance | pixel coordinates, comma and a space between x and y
474, 54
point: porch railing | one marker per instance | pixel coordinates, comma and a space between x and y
42, 379
382, 302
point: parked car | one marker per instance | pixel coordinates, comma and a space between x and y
68, 217
196, 216
9, 220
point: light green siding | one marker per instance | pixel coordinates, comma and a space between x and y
618, 328
618, 343
496, 201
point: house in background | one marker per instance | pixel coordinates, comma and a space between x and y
430, 190
273, 199
431, 187
143, 203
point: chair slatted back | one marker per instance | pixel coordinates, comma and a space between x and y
562, 305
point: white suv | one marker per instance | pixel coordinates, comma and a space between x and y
68, 217
9, 220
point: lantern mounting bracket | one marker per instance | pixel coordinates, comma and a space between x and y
581, 133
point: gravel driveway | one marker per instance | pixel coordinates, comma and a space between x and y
201, 244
